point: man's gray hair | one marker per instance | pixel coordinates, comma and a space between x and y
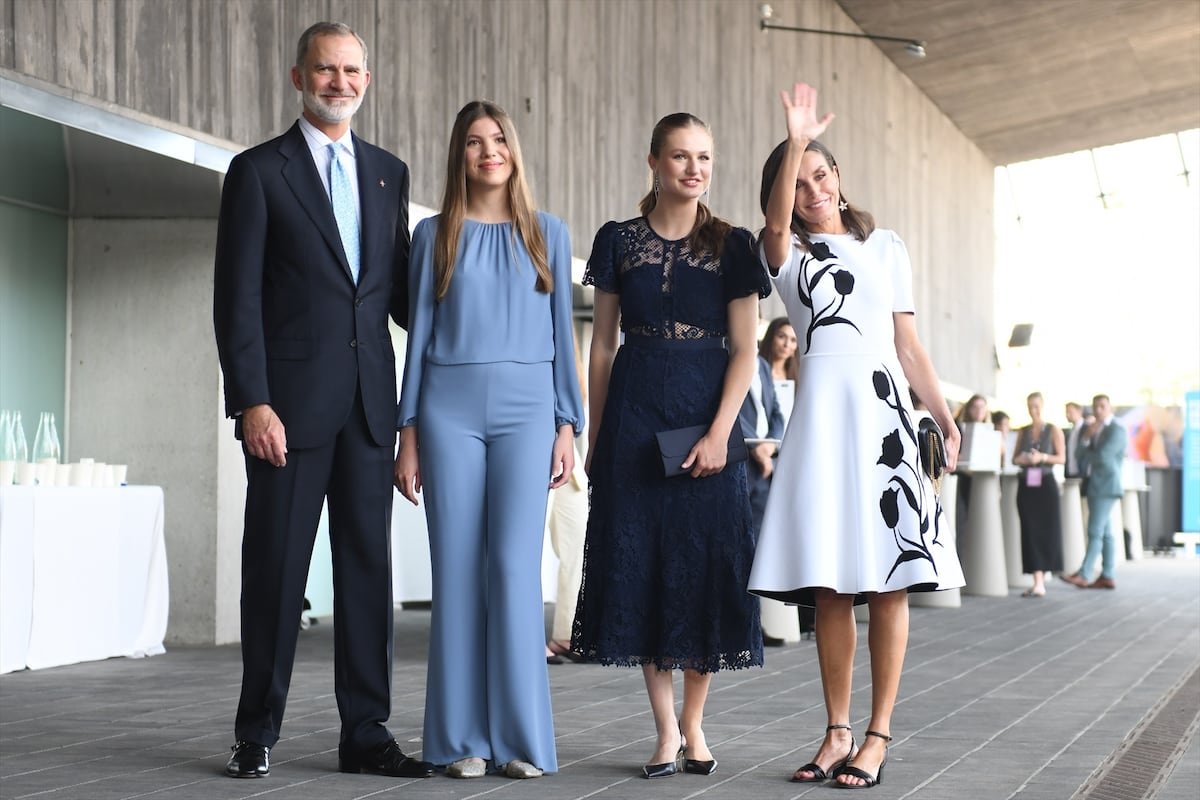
326, 29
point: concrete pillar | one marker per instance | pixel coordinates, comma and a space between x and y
1074, 535
983, 548
144, 390
1010, 526
780, 620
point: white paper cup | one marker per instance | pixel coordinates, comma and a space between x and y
99, 470
26, 473
87, 461
62, 475
119, 473
81, 473
45, 472
8, 472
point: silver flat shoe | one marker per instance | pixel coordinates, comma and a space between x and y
521, 769
467, 768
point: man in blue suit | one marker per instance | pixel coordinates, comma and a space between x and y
312, 256
1101, 452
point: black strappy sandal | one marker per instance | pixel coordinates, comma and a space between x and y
818, 773
868, 779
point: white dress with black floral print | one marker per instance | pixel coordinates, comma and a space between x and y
849, 508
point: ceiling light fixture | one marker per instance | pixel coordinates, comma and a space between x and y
913, 47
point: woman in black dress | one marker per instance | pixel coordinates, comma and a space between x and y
1040, 446
666, 560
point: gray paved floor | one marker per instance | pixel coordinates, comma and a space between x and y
1002, 698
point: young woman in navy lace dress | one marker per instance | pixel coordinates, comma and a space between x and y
666, 560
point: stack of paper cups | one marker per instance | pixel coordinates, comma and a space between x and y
81, 473
26, 473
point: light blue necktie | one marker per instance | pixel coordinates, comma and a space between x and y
345, 210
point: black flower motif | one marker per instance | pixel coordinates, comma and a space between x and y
883, 387
843, 282
911, 545
889, 506
811, 274
892, 453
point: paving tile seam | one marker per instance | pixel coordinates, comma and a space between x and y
1029, 712
979, 644
1029, 644
1102, 717
1186, 690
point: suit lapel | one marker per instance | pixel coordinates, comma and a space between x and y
370, 201
300, 172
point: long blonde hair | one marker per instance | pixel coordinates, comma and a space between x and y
454, 200
708, 232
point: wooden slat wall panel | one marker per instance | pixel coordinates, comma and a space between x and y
104, 50
74, 38
585, 83
34, 29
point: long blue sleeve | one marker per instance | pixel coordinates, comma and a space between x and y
492, 311
421, 311
568, 402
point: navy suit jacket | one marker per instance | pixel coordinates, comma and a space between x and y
292, 328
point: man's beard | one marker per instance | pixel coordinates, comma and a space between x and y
329, 112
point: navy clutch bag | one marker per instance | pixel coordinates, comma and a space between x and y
674, 446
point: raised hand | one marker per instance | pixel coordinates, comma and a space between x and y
800, 110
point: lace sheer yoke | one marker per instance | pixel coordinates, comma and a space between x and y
668, 290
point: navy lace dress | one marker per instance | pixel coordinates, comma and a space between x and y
666, 560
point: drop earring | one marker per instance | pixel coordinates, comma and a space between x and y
656, 187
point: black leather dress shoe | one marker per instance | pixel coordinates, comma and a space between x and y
382, 759
660, 770
249, 760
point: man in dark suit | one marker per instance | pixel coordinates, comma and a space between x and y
312, 256
1101, 454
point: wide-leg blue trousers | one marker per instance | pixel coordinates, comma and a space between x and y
486, 435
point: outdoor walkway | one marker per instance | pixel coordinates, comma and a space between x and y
1082, 694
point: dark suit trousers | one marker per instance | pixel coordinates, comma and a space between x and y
283, 508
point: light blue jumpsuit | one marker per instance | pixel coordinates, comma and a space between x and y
489, 376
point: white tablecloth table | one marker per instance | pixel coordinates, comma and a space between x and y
83, 574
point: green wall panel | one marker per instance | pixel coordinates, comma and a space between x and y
33, 270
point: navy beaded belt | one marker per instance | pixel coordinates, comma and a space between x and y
659, 343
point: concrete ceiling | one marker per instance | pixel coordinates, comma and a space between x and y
1026, 79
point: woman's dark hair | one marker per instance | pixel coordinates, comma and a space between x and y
791, 367
858, 221
709, 232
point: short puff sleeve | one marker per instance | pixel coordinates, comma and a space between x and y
902, 279
601, 269
741, 269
